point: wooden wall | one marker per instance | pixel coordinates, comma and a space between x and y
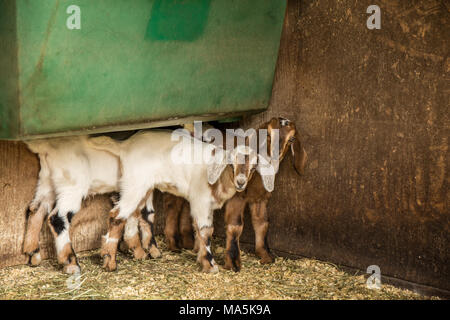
372, 106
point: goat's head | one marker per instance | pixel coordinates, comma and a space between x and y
288, 138
282, 135
243, 161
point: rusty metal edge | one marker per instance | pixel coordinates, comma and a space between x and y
139, 125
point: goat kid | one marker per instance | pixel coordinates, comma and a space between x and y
70, 171
178, 230
150, 160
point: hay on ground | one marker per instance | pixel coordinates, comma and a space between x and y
177, 276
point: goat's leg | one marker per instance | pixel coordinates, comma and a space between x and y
38, 210
111, 239
146, 223
131, 236
203, 223
172, 207
59, 223
234, 214
35, 220
261, 225
185, 226
127, 205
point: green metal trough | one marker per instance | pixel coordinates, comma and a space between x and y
133, 64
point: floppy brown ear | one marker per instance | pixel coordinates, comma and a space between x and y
299, 155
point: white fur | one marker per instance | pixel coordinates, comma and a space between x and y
147, 164
71, 170
62, 240
131, 228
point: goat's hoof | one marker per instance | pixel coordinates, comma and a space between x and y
172, 247
266, 259
230, 266
139, 254
35, 259
211, 269
123, 247
155, 253
72, 269
32, 208
214, 269
109, 264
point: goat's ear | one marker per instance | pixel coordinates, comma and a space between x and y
267, 173
216, 166
299, 155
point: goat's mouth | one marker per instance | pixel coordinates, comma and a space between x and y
240, 187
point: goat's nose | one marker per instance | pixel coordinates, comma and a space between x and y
240, 181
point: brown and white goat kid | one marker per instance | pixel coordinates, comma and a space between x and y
255, 196
72, 170
154, 160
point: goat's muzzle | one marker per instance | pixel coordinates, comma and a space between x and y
240, 182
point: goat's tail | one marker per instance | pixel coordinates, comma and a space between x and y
105, 143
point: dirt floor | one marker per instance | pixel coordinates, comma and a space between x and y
177, 276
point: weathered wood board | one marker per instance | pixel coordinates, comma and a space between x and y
372, 106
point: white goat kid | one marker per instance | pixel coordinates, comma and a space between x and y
152, 160
71, 170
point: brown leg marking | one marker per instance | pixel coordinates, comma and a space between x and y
261, 226
110, 243
185, 225
234, 214
146, 224
34, 225
172, 207
66, 256
132, 239
134, 244
69, 259
196, 242
204, 255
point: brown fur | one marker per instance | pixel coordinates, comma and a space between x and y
172, 207
134, 244
34, 226
147, 236
185, 227
109, 249
234, 229
204, 238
